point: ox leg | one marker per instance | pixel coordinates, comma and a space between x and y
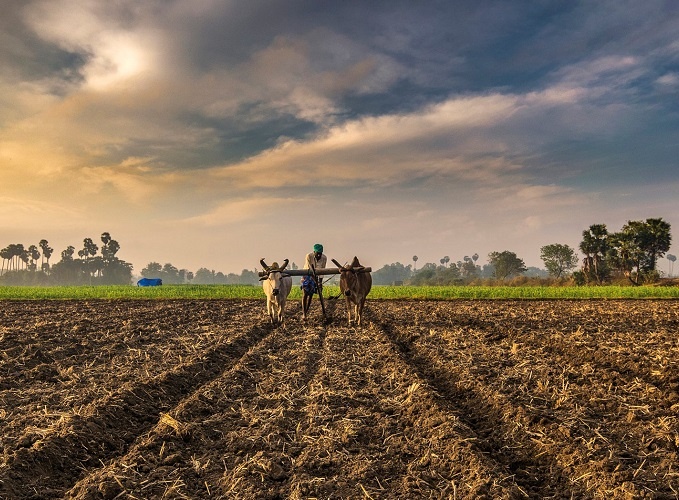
348, 309
359, 311
269, 310
280, 314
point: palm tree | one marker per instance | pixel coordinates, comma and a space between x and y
109, 248
6, 255
24, 257
414, 262
46, 254
34, 256
42, 244
89, 250
67, 254
595, 246
18, 253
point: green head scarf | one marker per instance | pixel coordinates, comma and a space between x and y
318, 248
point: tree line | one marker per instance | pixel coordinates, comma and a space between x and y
95, 264
204, 276
630, 254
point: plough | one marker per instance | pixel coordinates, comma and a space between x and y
314, 273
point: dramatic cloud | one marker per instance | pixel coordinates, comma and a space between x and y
384, 129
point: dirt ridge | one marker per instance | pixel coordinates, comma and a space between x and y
428, 399
106, 427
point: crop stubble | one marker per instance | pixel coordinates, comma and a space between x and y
458, 399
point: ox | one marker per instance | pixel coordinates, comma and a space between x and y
277, 286
355, 284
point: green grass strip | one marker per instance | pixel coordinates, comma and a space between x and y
377, 292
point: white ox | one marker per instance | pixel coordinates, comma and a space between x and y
355, 284
277, 286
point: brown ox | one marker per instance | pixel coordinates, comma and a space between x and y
277, 286
355, 284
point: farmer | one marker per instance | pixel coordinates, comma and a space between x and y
310, 285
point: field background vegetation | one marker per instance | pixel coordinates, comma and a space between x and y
377, 292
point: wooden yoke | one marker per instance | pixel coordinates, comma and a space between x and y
319, 272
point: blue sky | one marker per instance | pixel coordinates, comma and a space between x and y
211, 133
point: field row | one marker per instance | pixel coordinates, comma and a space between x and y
466, 399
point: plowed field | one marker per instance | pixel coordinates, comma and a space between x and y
459, 399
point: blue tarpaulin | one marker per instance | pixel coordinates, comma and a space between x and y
150, 282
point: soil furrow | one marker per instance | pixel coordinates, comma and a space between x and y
55, 372
374, 429
495, 427
105, 428
250, 414
429, 399
521, 382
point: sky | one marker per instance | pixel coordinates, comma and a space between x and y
212, 133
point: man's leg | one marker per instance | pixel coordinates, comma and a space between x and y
306, 303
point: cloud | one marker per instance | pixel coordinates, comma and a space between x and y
668, 81
441, 126
112, 52
253, 208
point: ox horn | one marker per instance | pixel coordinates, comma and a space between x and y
285, 263
337, 264
261, 261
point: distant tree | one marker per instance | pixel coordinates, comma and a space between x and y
390, 273
635, 249
67, 254
33, 255
470, 269
559, 259
431, 274
536, 272
415, 258
182, 276
109, 248
15, 254
6, 255
248, 277
67, 270
88, 251
170, 274
203, 277
654, 238
424, 275
595, 247
488, 271
152, 270
23, 256
46, 254
506, 264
